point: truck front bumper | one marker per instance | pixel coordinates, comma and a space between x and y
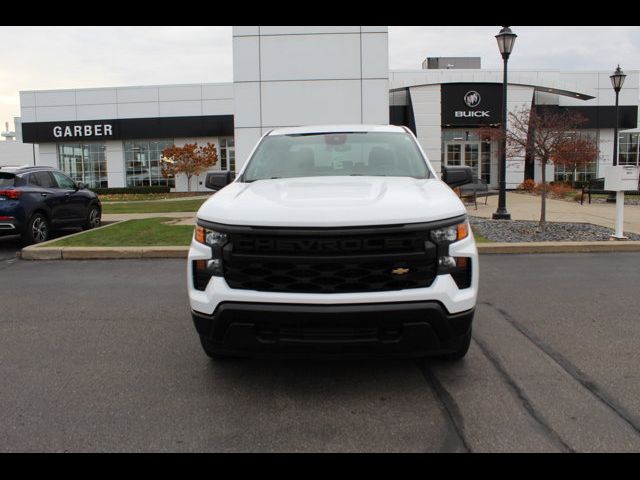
406, 329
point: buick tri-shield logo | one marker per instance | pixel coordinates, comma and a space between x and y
472, 99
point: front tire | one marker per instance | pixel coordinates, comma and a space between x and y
94, 218
37, 230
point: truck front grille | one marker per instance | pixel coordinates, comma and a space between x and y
330, 263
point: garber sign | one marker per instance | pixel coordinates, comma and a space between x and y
471, 104
83, 131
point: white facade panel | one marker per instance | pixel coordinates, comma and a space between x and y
375, 111
138, 110
375, 65
179, 93
310, 57
247, 105
245, 138
286, 104
218, 107
17, 153
52, 114
27, 99
217, 91
374, 29
306, 30
308, 74
48, 155
114, 156
55, 98
242, 31
96, 112
181, 109
96, 96
247, 66
137, 94
28, 114
605, 148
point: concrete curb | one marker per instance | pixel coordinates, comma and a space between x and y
103, 253
558, 247
111, 253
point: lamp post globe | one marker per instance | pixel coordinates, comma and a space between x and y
506, 40
617, 80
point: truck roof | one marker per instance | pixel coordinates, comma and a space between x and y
335, 129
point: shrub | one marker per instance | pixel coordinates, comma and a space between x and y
528, 185
559, 189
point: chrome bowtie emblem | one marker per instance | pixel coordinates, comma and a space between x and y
399, 271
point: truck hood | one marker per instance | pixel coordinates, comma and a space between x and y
332, 202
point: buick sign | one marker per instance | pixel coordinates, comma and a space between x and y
470, 104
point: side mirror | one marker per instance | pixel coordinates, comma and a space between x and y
457, 176
218, 180
80, 186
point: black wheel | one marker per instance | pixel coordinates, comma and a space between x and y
94, 218
37, 230
461, 351
209, 349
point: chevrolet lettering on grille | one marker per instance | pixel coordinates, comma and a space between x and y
328, 245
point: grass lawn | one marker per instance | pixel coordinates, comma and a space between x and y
132, 233
480, 239
127, 197
153, 207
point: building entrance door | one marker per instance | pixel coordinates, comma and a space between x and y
476, 154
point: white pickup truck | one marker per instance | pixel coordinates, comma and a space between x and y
334, 240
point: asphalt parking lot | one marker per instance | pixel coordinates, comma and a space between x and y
102, 356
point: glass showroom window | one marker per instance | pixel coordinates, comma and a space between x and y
629, 148
583, 173
227, 154
142, 163
84, 162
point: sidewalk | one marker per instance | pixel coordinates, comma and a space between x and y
527, 207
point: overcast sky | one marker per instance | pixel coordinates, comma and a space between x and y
81, 57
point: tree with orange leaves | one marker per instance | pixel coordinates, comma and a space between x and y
549, 137
189, 160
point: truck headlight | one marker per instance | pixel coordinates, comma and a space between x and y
458, 267
210, 237
451, 233
203, 270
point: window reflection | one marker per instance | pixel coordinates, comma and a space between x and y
142, 163
84, 162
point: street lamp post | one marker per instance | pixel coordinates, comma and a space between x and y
617, 80
506, 39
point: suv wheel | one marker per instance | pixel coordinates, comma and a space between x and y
94, 218
37, 230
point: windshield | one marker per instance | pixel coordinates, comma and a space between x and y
336, 154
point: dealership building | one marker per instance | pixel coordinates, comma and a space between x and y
289, 76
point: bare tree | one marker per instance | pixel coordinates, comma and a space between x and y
549, 137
